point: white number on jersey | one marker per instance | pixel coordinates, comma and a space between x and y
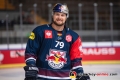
61, 44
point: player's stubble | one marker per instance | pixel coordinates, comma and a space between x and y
58, 24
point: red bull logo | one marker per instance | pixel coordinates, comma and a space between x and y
56, 58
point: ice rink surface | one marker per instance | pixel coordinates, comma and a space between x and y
18, 73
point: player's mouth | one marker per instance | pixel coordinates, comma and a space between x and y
59, 19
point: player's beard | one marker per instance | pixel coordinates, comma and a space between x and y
57, 23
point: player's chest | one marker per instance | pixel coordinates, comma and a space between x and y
53, 40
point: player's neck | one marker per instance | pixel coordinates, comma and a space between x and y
58, 28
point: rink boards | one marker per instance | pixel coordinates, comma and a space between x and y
14, 57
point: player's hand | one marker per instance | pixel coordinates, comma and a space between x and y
30, 72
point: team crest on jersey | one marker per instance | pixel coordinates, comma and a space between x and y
56, 58
68, 38
48, 34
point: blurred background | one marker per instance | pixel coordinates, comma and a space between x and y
94, 20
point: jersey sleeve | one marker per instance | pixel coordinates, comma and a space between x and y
32, 47
76, 55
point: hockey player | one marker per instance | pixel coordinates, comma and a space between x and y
53, 51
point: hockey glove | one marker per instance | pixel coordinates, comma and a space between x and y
30, 72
